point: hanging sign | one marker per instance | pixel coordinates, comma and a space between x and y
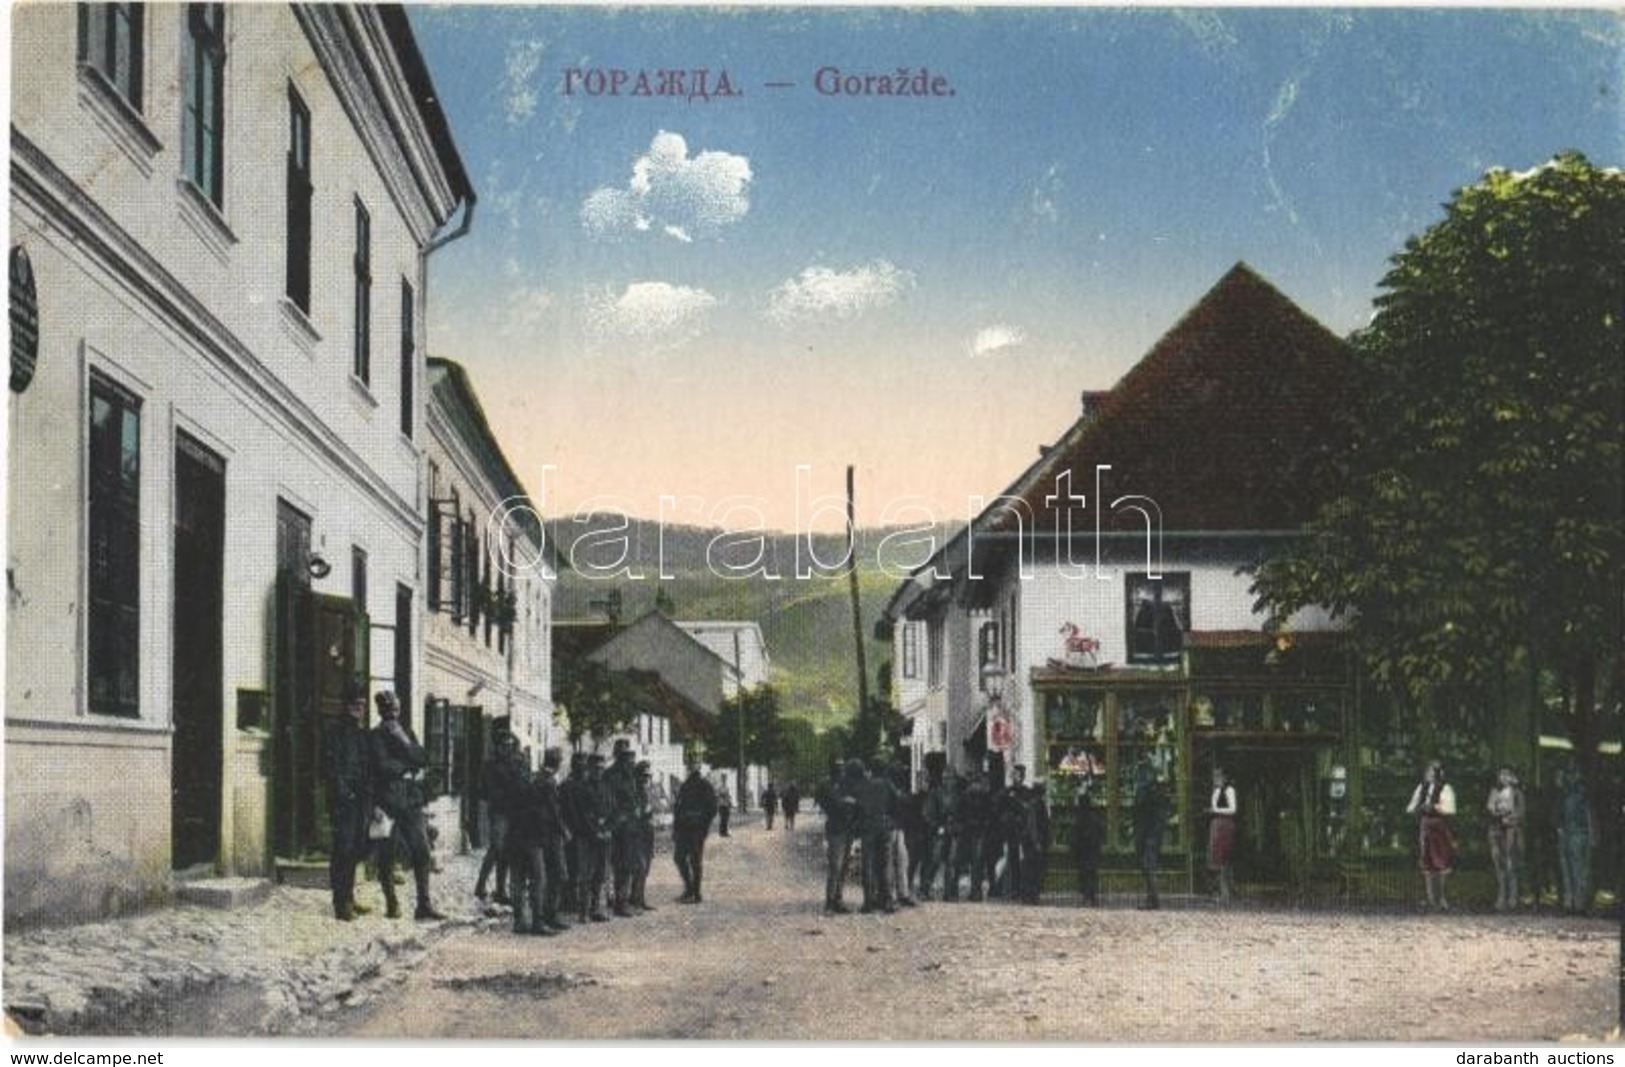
1001, 731
24, 321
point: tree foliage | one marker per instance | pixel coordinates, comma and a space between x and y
591, 698
1477, 517
766, 739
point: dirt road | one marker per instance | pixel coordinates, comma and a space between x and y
758, 960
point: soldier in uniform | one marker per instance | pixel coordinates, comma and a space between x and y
1035, 842
545, 788
791, 802
696, 806
645, 844
591, 833
770, 804
1150, 820
569, 811
938, 815
875, 803
1088, 835
975, 811
527, 860
397, 773
349, 798
837, 798
504, 773
623, 792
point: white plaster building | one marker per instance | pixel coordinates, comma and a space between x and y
1200, 453
738, 644
214, 471
488, 598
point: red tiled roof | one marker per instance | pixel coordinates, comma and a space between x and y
1218, 423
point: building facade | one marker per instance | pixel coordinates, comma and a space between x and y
214, 466
488, 600
1096, 623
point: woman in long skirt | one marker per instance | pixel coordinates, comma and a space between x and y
1221, 834
1433, 803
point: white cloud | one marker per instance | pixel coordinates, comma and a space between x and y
820, 292
518, 83
649, 311
991, 339
680, 195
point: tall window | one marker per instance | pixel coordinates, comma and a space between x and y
911, 650
1159, 613
110, 37
408, 355
202, 156
299, 196
363, 294
115, 550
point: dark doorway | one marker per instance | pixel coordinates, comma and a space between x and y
321, 644
1276, 799
293, 756
197, 756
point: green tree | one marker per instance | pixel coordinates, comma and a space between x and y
592, 698
766, 739
1476, 524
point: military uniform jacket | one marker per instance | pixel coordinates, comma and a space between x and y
570, 804
875, 803
621, 792
347, 762
696, 805
592, 810
505, 776
397, 768
940, 802
975, 809
536, 816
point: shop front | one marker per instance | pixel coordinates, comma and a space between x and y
1277, 720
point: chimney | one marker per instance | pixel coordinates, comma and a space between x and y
1091, 401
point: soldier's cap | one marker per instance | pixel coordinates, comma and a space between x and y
386, 702
642, 767
623, 747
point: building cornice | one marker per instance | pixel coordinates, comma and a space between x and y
38, 182
353, 47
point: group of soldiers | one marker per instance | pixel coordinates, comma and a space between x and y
570, 847
375, 797
958, 832
584, 845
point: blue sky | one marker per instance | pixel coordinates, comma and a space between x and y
689, 298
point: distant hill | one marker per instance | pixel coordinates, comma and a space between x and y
807, 622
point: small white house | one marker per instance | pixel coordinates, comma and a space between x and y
1096, 619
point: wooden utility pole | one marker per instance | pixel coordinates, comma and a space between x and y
857, 610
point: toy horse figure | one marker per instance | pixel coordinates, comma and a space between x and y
1080, 649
